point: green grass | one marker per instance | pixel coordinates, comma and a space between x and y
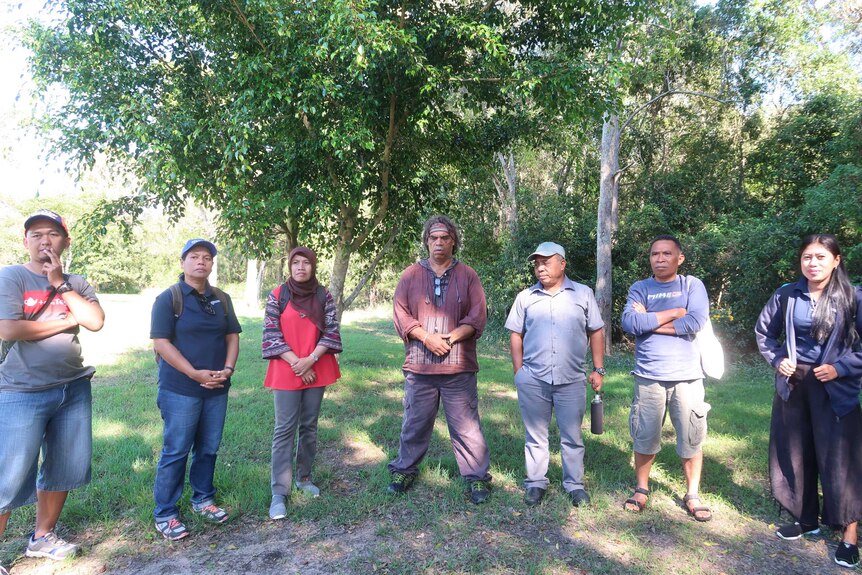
434, 528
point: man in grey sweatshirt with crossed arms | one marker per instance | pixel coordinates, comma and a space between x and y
664, 313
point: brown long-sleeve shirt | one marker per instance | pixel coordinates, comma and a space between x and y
461, 301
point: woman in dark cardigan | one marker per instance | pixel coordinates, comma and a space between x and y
816, 429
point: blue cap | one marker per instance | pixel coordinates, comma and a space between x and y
198, 242
546, 249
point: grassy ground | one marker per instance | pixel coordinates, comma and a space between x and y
354, 527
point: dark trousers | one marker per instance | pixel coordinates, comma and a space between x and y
808, 442
422, 396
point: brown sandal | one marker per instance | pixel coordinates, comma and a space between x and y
637, 505
693, 511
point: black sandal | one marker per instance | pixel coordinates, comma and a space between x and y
632, 501
693, 511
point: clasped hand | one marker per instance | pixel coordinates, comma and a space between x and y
304, 370
210, 379
438, 343
823, 373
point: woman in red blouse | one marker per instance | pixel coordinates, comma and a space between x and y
300, 338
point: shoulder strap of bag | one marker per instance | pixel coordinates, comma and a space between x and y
284, 297
6, 346
177, 305
177, 299
225, 301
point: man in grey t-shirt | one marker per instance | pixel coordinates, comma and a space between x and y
45, 399
664, 313
551, 325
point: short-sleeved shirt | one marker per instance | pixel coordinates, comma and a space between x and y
198, 335
555, 328
49, 362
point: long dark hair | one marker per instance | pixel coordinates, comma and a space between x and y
839, 295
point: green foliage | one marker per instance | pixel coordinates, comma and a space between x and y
836, 206
112, 263
336, 123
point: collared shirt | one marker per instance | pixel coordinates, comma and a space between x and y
808, 349
555, 328
198, 335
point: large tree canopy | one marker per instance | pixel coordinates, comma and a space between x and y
333, 122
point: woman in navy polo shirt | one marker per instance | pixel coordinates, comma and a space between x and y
198, 343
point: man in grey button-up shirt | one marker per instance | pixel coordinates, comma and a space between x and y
551, 323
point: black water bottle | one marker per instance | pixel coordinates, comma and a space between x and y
597, 415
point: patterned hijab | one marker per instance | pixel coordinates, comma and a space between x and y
303, 295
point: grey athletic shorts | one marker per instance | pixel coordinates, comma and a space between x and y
687, 410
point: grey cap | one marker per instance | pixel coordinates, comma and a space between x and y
546, 249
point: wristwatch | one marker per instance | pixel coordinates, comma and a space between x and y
600, 370
64, 287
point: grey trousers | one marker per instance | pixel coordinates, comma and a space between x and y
422, 395
294, 409
537, 400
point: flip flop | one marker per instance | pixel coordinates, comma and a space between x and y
632, 501
706, 513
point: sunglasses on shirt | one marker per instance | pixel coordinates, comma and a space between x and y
205, 304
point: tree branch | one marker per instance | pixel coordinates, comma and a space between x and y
371, 267
665, 95
247, 24
383, 208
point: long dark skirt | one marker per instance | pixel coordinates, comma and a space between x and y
808, 441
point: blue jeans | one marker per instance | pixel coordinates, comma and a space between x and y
191, 424
57, 421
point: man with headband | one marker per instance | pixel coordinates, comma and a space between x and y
440, 312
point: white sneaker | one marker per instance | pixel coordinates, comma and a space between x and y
50, 546
277, 508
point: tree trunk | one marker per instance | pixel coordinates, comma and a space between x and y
252, 284
508, 196
341, 258
213, 279
607, 221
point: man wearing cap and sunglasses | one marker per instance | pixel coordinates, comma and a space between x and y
45, 396
195, 334
440, 312
552, 323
